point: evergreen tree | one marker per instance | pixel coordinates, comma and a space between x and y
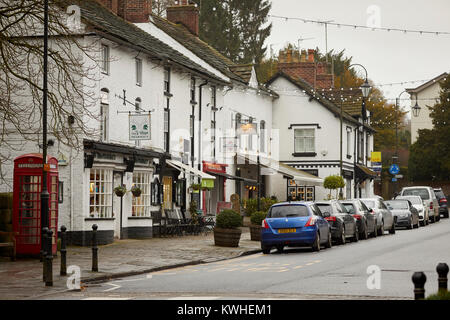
236, 28
430, 154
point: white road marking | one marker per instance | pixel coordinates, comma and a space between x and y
115, 286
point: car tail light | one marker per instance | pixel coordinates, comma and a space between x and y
264, 224
431, 205
357, 216
311, 222
331, 219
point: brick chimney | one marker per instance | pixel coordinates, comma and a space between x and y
186, 14
300, 65
134, 11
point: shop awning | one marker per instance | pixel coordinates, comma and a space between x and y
288, 172
231, 177
363, 173
190, 170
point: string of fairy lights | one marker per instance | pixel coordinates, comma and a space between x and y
355, 26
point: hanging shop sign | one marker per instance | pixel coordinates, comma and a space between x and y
139, 125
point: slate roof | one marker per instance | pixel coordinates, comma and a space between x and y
203, 50
102, 21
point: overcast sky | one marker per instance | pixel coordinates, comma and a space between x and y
388, 56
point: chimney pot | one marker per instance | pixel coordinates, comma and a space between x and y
311, 55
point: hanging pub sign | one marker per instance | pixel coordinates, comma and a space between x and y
140, 126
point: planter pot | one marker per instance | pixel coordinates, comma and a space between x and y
255, 232
136, 193
119, 193
227, 237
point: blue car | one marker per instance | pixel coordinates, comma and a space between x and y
295, 224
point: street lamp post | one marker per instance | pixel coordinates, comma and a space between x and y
365, 89
44, 191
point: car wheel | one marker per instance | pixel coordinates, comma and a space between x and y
374, 233
364, 234
316, 245
410, 226
342, 238
280, 248
329, 242
356, 235
392, 231
265, 249
381, 229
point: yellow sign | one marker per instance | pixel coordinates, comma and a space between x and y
376, 156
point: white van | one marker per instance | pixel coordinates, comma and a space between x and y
429, 199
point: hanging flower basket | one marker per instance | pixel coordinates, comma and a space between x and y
120, 190
196, 186
136, 191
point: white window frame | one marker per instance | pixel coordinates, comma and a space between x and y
141, 205
100, 193
138, 67
104, 114
304, 138
105, 61
349, 141
262, 136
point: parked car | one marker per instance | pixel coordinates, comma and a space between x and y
442, 200
343, 224
405, 213
428, 197
417, 202
366, 221
294, 224
385, 219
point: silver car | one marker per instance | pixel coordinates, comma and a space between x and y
428, 197
385, 218
419, 205
404, 212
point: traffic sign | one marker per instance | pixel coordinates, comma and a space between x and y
399, 176
394, 179
394, 169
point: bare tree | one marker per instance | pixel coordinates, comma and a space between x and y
71, 96
159, 6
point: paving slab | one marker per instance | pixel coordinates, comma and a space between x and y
22, 279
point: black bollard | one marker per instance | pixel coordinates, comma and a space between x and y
94, 249
442, 270
49, 259
44, 252
63, 270
419, 280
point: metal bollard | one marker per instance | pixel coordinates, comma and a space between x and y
63, 270
44, 253
94, 249
49, 260
419, 280
442, 270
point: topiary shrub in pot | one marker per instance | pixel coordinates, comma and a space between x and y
227, 232
256, 220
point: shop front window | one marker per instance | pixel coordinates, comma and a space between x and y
167, 191
141, 204
100, 193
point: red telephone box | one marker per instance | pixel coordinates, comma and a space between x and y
27, 202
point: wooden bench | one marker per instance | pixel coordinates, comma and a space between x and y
11, 243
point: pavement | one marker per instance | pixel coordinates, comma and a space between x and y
22, 279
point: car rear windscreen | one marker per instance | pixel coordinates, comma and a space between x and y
397, 204
414, 200
369, 203
439, 194
350, 208
423, 193
325, 208
288, 211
